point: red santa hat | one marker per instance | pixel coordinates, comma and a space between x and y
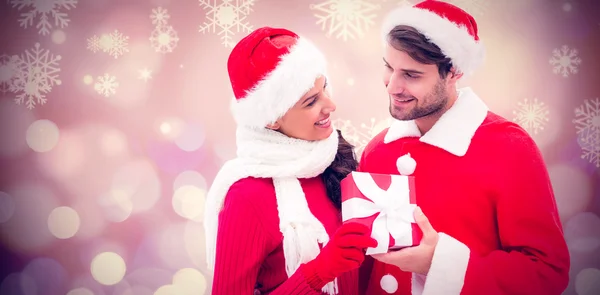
452, 29
270, 70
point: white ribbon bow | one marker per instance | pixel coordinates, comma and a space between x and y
394, 208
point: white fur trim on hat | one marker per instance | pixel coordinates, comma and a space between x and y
454, 41
281, 89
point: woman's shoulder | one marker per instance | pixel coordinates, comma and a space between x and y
252, 189
253, 198
254, 183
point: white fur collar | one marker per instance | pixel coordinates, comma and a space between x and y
453, 131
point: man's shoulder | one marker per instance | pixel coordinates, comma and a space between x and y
376, 142
497, 127
494, 120
500, 136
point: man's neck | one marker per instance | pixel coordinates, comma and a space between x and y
426, 123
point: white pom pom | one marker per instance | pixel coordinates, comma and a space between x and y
406, 165
389, 284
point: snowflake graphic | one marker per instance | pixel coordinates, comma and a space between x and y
474, 7
565, 61
227, 15
106, 85
164, 39
359, 138
159, 16
47, 10
587, 123
345, 18
115, 44
36, 74
145, 74
8, 72
532, 115
94, 44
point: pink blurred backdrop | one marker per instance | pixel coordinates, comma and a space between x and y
102, 186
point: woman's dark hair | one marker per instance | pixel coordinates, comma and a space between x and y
344, 163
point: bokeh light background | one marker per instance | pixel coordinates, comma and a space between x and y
114, 120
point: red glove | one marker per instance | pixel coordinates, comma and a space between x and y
344, 252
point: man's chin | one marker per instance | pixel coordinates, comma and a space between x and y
401, 116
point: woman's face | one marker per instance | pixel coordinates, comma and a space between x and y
309, 118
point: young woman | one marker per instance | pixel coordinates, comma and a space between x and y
273, 222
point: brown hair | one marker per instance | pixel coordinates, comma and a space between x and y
417, 46
344, 163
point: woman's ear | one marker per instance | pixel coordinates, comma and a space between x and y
274, 126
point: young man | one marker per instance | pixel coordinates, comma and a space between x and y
486, 206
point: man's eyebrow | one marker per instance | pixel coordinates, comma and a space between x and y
412, 71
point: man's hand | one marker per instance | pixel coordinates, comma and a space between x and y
414, 259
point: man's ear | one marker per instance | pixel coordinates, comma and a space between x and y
455, 74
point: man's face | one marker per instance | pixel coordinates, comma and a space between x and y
415, 89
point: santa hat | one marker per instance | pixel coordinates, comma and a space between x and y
270, 70
452, 29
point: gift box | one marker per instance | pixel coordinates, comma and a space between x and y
385, 203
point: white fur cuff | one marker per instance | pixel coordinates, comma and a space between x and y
448, 267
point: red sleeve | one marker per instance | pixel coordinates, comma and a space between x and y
534, 258
362, 164
365, 271
242, 246
369, 152
298, 284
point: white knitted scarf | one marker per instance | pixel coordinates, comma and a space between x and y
265, 153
